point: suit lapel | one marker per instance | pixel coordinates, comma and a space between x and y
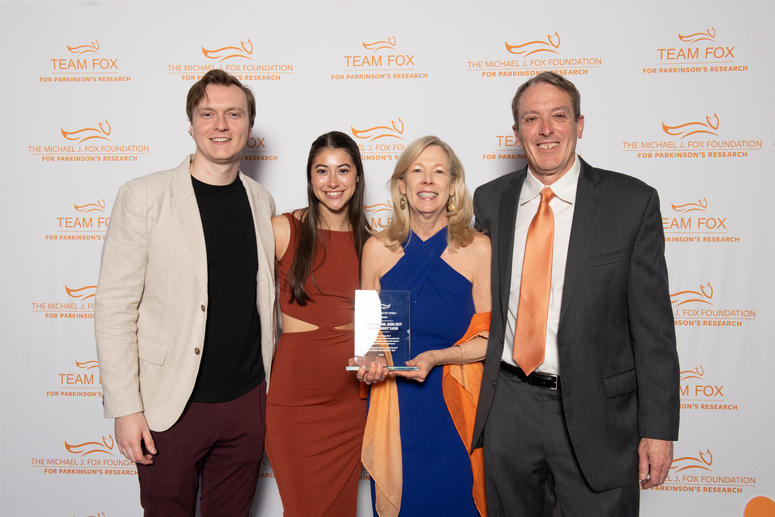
507, 217
261, 238
187, 211
585, 223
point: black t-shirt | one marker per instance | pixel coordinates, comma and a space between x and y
231, 361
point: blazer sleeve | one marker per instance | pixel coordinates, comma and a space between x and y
480, 221
119, 291
652, 329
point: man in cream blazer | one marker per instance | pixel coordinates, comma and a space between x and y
184, 315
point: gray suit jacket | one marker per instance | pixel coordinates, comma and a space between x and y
151, 303
616, 337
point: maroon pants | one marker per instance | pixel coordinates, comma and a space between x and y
220, 443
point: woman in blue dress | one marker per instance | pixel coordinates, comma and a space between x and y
429, 249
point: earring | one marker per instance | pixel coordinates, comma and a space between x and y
402, 204
451, 204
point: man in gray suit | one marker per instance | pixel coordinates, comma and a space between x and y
184, 315
580, 395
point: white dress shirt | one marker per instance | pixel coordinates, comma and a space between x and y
562, 206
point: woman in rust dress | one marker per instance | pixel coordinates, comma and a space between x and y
315, 416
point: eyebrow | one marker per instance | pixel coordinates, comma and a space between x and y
232, 108
433, 165
552, 110
321, 164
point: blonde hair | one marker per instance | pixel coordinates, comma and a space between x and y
459, 232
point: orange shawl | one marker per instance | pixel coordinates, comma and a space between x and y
381, 451
460, 385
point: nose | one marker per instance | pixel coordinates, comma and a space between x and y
332, 180
221, 123
427, 176
546, 126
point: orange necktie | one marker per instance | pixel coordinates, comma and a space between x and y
533, 309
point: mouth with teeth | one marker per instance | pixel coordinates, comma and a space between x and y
548, 146
334, 194
427, 195
220, 139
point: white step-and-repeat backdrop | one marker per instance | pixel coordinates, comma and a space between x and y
679, 94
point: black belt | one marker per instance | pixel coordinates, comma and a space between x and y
542, 380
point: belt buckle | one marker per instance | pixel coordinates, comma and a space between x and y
546, 380
555, 383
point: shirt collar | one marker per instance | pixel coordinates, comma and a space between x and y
564, 188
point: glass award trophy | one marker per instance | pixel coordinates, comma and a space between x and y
382, 328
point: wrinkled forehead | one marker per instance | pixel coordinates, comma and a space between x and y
544, 96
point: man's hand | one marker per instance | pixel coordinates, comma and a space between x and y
131, 433
654, 460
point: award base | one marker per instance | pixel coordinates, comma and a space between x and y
393, 368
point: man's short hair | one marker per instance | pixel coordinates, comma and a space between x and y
555, 80
216, 76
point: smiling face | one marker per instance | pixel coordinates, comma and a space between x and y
220, 125
333, 178
548, 130
427, 183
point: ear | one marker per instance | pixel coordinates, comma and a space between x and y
580, 126
515, 128
402, 187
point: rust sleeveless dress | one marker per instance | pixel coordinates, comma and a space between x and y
314, 414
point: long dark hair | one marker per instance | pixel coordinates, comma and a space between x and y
308, 237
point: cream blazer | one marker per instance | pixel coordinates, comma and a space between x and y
151, 303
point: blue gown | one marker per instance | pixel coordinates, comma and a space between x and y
436, 466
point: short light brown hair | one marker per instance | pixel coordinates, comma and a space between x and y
555, 80
198, 92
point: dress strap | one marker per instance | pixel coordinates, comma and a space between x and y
436, 244
293, 222
290, 252
420, 258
